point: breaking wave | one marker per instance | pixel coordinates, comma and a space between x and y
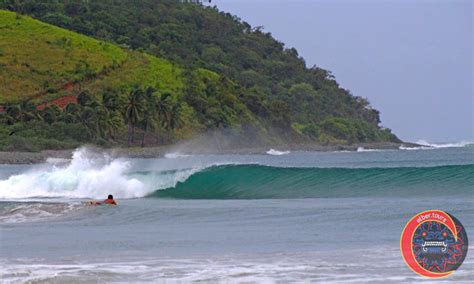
274, 152
86, 177
430, 146
263, 182
83, 177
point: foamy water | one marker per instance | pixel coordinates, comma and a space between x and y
277, 153
176, 155
430, 146
83, 177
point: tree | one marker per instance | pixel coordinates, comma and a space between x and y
133, 111
71, 113
22, 112
85, 98
150, 112
88, 119
111, 100
170, 112
51, 114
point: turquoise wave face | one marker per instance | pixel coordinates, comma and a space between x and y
263, 182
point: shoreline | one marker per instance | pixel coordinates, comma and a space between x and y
9, 158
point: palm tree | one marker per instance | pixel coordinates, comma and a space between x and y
22, 112
85, 98
71, 113
133, 111
150, 112
111, 100
113, 123
88, 118
175, 119
170, 111
107, 123
51, 113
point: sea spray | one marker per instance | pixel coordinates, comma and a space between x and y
274, 152
424, 145
83, 177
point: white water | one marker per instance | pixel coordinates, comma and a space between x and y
362, 149
88, 175
445, 145
176, 155
82, 177
430, 146
274, 152
28, 212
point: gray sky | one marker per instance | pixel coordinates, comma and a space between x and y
412, 59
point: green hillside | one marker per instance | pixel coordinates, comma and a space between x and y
43, 64
192, 69
39, 59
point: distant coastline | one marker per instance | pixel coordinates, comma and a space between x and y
16, 157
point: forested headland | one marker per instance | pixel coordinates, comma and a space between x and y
150, 72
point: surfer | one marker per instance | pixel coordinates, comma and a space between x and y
110, 200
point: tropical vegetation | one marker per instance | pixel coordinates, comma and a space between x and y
151, 72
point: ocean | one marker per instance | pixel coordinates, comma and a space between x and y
278, 216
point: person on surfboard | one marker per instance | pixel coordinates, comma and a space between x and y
110, 200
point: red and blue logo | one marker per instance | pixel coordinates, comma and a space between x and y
434, 244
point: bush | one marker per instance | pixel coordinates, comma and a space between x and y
35, 136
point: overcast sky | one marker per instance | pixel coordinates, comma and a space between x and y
413, 59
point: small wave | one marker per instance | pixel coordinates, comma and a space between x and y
415, 148
274, 152
445, 145
362, 149
176, 155
34, 211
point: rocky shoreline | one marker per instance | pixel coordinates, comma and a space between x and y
161, 151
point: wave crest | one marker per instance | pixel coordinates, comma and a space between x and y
83, 177
88, 176
274, 152
264, 182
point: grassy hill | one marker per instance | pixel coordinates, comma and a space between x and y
37, 57
40, 62
43, 64
153, 72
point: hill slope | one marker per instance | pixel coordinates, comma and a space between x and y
44, 66
224, 73
40, 61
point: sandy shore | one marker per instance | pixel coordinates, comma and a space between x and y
161, 151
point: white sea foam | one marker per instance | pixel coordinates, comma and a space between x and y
430, 146
274, 152
92, 175
57, 160
269, 268
362, 149
176, 155
445, 145
28, 212
85, 177
415, 148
